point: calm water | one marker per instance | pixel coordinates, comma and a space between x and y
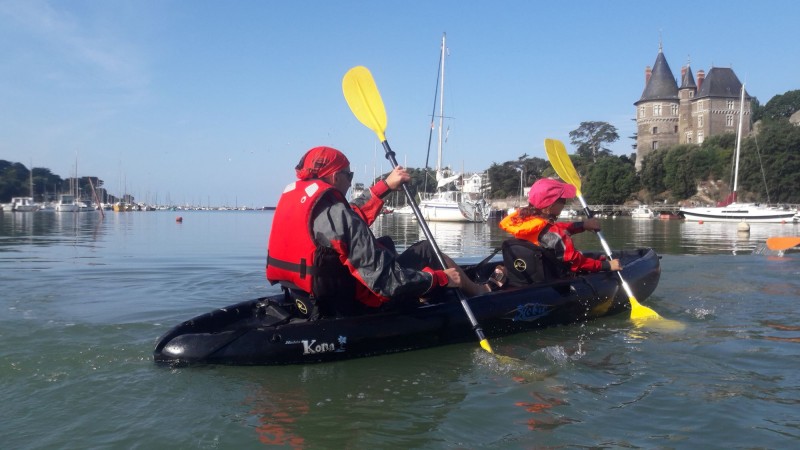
84, 299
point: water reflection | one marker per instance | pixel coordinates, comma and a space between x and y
49, 228
454, 239
468, 240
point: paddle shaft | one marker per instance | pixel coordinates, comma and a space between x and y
365, 102
390, 155
606, 248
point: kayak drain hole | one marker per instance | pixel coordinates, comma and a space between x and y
276, 338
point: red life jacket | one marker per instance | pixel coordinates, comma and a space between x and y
292, 252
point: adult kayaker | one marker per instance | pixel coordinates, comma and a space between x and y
538, 224
322, 249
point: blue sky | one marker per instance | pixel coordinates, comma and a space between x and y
215, 102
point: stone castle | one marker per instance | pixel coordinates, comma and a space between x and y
669, 115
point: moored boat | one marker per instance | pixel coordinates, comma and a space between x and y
23, 204
642, 212
667, 215
463, 204
267, 331
730, 210
67, 203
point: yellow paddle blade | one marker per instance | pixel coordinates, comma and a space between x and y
559, 159
364, 100
782, 243
639, 311
485, 345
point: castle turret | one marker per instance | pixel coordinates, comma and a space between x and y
687, 92
657, 110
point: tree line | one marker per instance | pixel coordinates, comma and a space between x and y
43, 185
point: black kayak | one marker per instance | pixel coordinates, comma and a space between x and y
267, 331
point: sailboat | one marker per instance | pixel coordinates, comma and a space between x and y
732, 211
447, 205
25, 204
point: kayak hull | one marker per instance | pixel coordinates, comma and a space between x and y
263, 332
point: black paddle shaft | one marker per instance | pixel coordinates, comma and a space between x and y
390, 155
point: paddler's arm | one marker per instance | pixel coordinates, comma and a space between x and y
340, 228
370, 204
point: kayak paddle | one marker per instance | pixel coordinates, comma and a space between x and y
365, 102
557, 154
782, 243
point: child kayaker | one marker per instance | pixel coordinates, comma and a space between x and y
538, 224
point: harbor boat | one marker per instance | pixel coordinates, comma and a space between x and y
642, 212
67, 203
666, 215
268, 330
23, 204
730, 210
121, 207
568, 214
404, 210
446, 204
739, 212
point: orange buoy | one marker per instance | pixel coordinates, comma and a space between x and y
179, 219
700, 222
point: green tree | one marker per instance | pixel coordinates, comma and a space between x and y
505, 177
678, 176
653, 171
610, 181
779, 107
777, 149
589, 138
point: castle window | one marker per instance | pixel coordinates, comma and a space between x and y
641, 111
729, 120
700, 121
675, 130
655, 130
656, 110
730, 104
674, 110
655, 145
700, 137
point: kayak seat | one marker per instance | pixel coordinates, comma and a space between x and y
527, 263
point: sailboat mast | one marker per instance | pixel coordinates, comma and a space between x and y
439, 174
738, 145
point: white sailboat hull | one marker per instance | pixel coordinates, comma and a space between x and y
444, 207
738, 212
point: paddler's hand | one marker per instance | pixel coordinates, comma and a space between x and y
397, 177
453, 277
591, 224
615, 265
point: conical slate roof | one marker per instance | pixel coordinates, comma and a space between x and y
662, 85
721, 82
688, 79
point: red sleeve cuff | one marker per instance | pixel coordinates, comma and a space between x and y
380, 189
439, 277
